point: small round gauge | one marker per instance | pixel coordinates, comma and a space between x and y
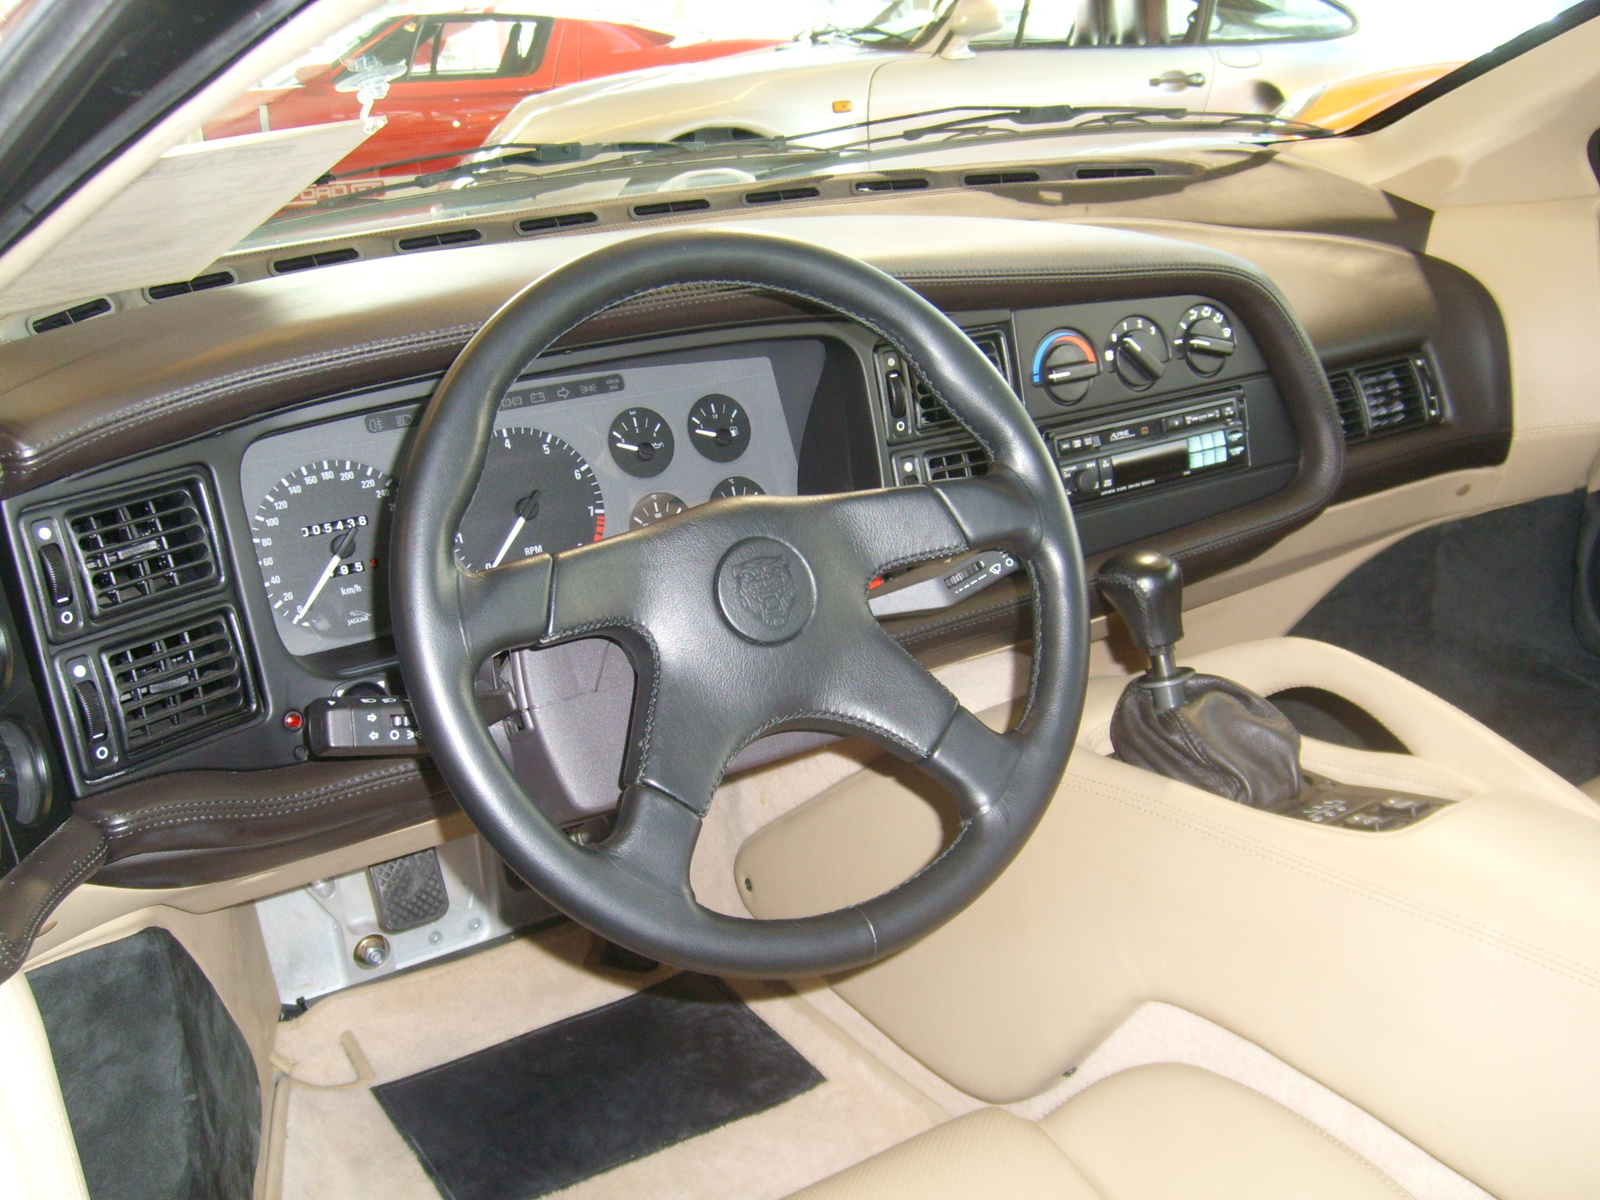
657, 506
536, 495
737, 485
719, 427
320, 536
1205, 339
641, 442
24, 774
1137, 351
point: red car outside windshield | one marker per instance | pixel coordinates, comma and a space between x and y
462, 72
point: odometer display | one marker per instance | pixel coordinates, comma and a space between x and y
536, 495
321, 535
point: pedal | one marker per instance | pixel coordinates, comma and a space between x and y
408, 891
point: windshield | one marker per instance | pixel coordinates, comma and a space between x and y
426, 111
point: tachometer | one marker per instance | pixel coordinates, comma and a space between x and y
320, 535
536, 495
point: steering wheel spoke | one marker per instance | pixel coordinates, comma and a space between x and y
974, 763
994, 510
507, 607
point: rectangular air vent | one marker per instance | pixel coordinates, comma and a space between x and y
305, 262
148, 546
1385, 398
1348, 401
779, 195
891, 185
991, 178
71, 316
670, 206
542, 224
427, 241
933, 415
961, 462
178, 683
1125, 172
200, 283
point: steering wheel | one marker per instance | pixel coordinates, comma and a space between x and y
742, 617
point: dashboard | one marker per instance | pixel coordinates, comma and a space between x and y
198, 604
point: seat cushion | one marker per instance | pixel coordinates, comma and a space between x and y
989, 1153
1173, 1132
1163, 1132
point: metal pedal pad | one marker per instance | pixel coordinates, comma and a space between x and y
408, 891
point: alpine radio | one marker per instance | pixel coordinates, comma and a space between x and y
1182, 443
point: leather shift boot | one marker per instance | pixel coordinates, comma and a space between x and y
1223, 738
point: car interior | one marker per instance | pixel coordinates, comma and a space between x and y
1071, 676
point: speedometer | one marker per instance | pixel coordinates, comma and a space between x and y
321, 535
536, 495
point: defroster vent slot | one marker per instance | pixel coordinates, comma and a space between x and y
178, 683
145, 547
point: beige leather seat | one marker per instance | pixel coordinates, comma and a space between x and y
1164, 1132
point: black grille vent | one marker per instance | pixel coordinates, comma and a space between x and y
450, 237
71, 316
991, 178
891, 185
669, 206
177, 684
779, 195
200, 283
933, 415
147, 547
543, 224
1348, 400
1385, 398
962, 462
305, 262
1113, 172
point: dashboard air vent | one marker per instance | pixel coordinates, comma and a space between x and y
543, 224
1125, 172
961, 462
71, 316
200, 283
933, 415
306, 262
1385, 398
1348, 401
891, 185
669, 206
779, 195
144, 547
990, 178
427, 241
178, 683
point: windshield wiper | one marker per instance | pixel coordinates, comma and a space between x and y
1070, 118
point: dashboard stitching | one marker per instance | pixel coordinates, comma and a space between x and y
13, 954
185, 398
386, 774
246, 813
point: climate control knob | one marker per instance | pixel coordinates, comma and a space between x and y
1205, 339
1064, 365
1138, 352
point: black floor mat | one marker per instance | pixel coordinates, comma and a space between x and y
1480, 612
555, 1106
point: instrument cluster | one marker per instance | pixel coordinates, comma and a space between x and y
571, 460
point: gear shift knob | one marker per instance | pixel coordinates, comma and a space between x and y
1146, 589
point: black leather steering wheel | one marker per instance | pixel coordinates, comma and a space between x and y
742, 617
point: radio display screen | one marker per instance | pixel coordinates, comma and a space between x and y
1158, 462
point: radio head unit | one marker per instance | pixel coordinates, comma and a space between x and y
1198, 438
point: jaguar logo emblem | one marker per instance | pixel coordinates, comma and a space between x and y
767, 590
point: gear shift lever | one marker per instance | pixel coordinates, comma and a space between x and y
1200, 729
1146, 589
